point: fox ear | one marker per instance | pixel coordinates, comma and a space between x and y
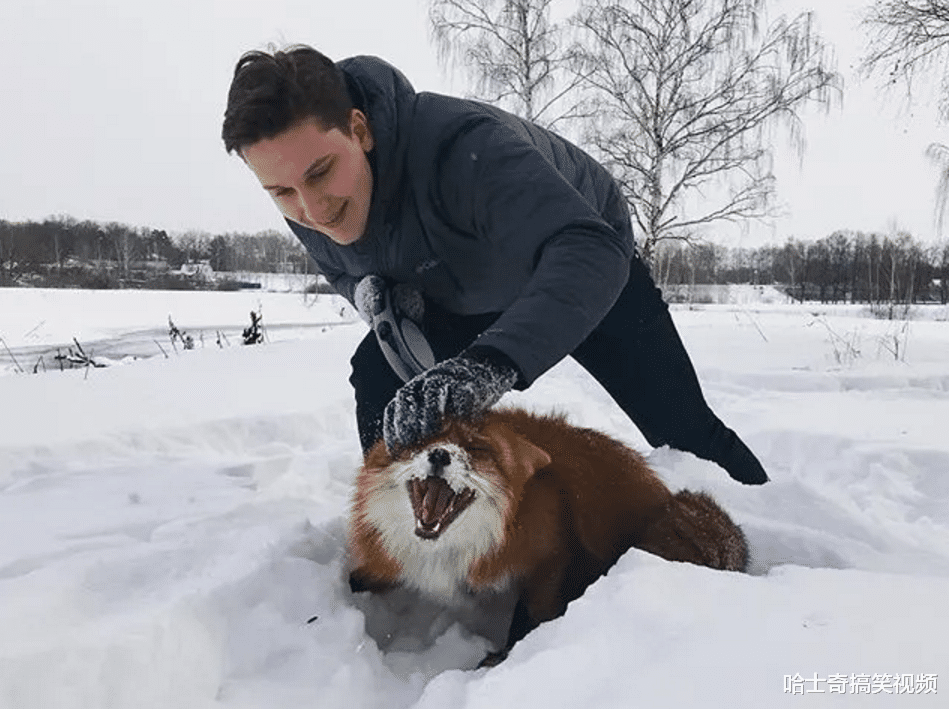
515, 451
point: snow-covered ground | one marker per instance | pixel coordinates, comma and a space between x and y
172, 528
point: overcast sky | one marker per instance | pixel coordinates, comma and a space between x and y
111, 110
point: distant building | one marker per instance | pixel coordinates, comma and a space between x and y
202, 269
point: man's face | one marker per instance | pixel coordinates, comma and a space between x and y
320, 179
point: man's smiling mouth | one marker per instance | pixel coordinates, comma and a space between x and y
338, 219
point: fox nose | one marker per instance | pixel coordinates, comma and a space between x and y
439, 459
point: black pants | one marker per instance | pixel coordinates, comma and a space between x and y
635, 353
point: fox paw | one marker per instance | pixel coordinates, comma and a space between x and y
359, 584
493, 658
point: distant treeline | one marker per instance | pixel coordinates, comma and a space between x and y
64, 252
845, 267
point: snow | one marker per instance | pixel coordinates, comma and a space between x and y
172, 527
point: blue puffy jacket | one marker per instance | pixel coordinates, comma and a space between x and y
483, 212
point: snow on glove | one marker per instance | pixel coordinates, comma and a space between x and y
369, 298
461, 387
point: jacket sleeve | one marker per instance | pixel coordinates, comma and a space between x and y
504, 191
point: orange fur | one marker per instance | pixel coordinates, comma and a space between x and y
571, 502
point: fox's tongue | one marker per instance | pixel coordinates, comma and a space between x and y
436, 505
436, 495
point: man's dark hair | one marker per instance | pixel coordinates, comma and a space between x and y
271, 92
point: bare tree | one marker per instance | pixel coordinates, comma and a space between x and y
513, 52
688, 93
939, 256
121, 239
7, 253
908, 41
939, 155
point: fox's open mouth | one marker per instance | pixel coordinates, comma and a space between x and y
436, 505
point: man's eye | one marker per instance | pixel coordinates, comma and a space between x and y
317, 176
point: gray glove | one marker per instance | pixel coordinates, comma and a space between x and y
462, 387
369, 298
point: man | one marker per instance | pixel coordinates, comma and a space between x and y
510, 246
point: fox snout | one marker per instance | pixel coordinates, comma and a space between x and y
439, 459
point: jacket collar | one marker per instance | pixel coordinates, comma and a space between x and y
387, 98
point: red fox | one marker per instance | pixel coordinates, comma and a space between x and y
520, 499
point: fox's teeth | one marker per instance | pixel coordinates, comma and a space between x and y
435, 529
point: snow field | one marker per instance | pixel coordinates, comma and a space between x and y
169, 527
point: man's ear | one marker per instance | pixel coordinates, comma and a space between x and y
515, 451
359, 126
